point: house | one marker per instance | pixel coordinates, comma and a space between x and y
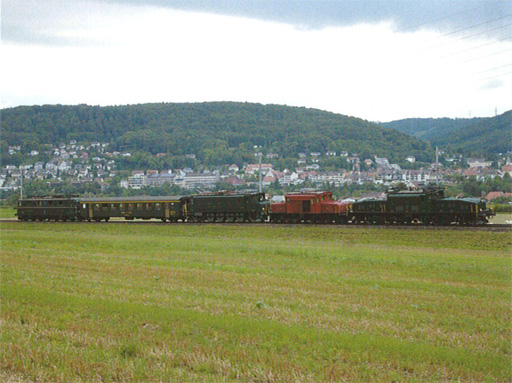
233, 168
137, 180
481, 174
289, 179
202, 180
381, 162
507, 169
235, 181
496, 194
254, 168
478, 163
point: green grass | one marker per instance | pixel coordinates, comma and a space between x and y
151, 303
7, 212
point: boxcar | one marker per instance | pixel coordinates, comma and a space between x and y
225, 207
143, 207
58, 208
314, 207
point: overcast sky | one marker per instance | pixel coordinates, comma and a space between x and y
378, 60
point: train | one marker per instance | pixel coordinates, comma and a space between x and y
427, 206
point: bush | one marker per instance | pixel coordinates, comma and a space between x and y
502, 208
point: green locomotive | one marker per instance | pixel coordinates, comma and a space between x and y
426, 206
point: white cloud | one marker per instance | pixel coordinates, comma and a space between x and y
137, 55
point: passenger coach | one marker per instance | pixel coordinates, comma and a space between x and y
130, 208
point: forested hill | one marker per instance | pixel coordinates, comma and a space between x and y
221, 130
475, 135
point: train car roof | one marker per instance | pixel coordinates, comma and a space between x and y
49, 197
469, 199
220, 195
140, 199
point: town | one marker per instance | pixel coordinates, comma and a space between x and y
82, 164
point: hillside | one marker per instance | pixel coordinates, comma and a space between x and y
476, 135
428, 128
217, 132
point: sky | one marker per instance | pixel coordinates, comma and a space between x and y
379, 60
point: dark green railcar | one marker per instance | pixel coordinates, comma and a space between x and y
405, 207
226, 207
368, 211
57, 208
462, 211
143, 207
427, 206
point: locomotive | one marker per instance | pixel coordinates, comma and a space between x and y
313, 207
427, 206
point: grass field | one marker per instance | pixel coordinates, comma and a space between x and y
219, 303
7, 212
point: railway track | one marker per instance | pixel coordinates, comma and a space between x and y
488, 227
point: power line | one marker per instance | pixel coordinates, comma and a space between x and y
478, 46
480, 33
474, 26
490, 70
446, 17
467, 37
492, 77
483, 57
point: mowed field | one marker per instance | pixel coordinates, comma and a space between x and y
222, 303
